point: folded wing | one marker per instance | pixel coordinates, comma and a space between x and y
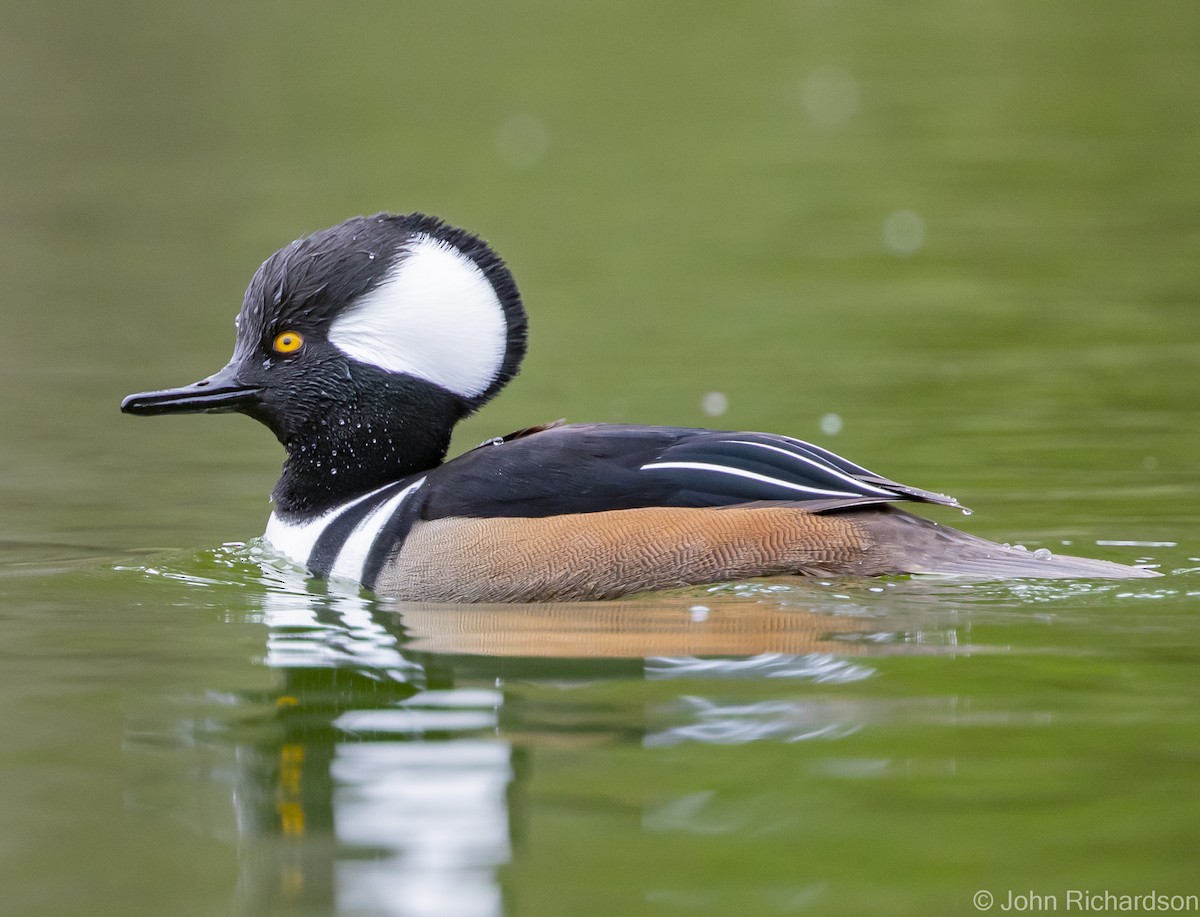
761, 466
598, 467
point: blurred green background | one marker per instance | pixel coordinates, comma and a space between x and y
955, 240
693, 198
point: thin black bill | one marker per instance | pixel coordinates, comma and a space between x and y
219, 393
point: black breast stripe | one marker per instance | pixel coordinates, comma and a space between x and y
391, 536
333, 537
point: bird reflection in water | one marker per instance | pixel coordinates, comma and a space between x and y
391, 783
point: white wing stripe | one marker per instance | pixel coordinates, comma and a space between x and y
737, 472
822, 451
828, 469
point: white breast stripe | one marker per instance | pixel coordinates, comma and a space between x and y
295, 541
737, 472
828, 469
349, 563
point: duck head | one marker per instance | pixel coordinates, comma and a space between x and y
360, 347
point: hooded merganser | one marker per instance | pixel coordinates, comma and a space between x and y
361, 346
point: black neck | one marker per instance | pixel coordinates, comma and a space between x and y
340, 457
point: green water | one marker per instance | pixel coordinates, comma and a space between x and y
966, 230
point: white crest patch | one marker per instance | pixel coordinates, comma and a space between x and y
434, 316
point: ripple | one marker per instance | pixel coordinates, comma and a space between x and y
816, 667
715, 723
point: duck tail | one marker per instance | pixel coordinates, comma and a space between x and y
912, 544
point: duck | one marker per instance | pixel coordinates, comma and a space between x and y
361, 346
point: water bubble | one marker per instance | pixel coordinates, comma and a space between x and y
522, 140
830, 95
699, 613
1021, 548
831, 424
1042, 554
333, 471
903, 232
966, 511
714, 404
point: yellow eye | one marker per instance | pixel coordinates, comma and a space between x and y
287, 342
